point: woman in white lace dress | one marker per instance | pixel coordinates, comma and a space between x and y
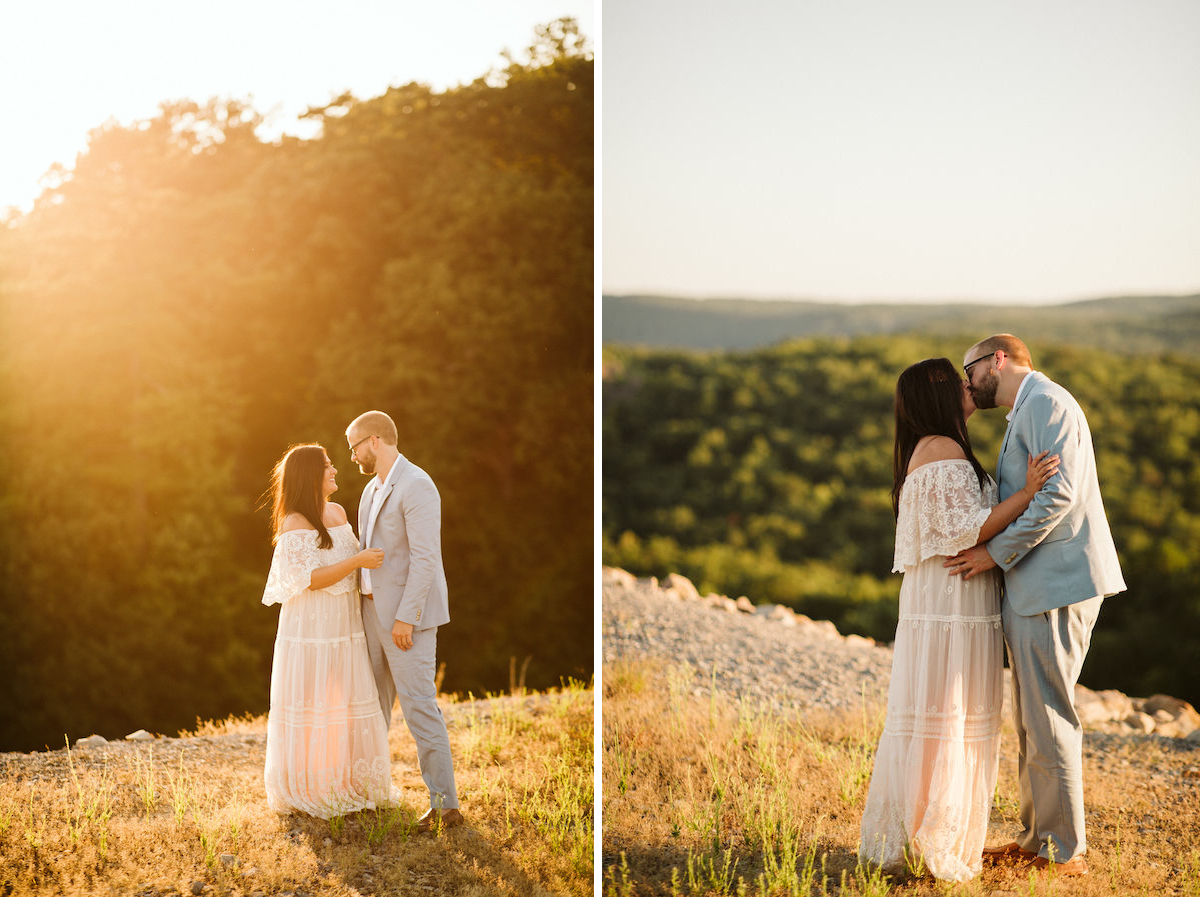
935, 771
327, 748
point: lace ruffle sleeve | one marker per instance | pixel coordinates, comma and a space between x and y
941, 512
296, 557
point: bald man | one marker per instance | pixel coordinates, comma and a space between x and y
405, 601
1059, 564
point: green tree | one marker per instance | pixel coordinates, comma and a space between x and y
189, 300
767, 473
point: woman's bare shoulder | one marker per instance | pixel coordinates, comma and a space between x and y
935, 448
335, 514
295, 521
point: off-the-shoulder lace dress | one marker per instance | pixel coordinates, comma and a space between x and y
327, 748
935, 771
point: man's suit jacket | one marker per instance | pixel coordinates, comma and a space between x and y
411, 584
1060, 551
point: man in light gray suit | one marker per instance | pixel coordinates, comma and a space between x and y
1059, 564
405, 600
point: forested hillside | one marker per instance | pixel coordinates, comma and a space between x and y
190, 300
767, 474
1120, 324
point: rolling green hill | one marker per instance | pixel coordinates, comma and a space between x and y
1133, 324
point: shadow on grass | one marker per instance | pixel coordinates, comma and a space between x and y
654, 866
378, 853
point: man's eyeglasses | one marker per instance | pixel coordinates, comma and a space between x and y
967, 366
354, 448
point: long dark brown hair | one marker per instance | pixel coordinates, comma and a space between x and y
928, 403
296, 488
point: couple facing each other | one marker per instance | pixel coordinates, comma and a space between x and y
1023, 561
357, 629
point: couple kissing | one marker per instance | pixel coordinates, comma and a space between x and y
1022, 563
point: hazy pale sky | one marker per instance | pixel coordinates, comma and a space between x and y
933, 149
67, 66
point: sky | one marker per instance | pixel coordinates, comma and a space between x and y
933, 150
68, 66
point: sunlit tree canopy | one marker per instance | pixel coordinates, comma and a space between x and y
189, 300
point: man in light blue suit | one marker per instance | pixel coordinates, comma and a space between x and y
1059, 564
405, 600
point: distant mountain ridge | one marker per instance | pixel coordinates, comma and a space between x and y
1126, 324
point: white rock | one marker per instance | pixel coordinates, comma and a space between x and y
1185, 727
860, 641
615, 576
1097, 707
683, 586
1140, 722
92, 741
1184, 718
1092, 713
228, 859
1172, 729
744, 604
139, 735
1172, 706
823, 628
1117, 703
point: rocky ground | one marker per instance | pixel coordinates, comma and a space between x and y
768, 653
243, 745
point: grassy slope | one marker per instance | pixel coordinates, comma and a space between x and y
703, 798
158, 817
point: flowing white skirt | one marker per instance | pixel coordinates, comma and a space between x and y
327, 748
935, 771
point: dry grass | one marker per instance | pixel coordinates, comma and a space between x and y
189, 814
702, 797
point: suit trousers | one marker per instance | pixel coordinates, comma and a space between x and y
1046, 653
409, 676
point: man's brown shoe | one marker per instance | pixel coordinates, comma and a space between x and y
431, 820
1009, 853
1043, 867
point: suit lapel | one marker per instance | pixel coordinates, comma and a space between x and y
1004, 446
377, 506
364, 509
1025, 393
393, 477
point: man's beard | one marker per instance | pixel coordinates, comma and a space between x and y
984, 395
367, 465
